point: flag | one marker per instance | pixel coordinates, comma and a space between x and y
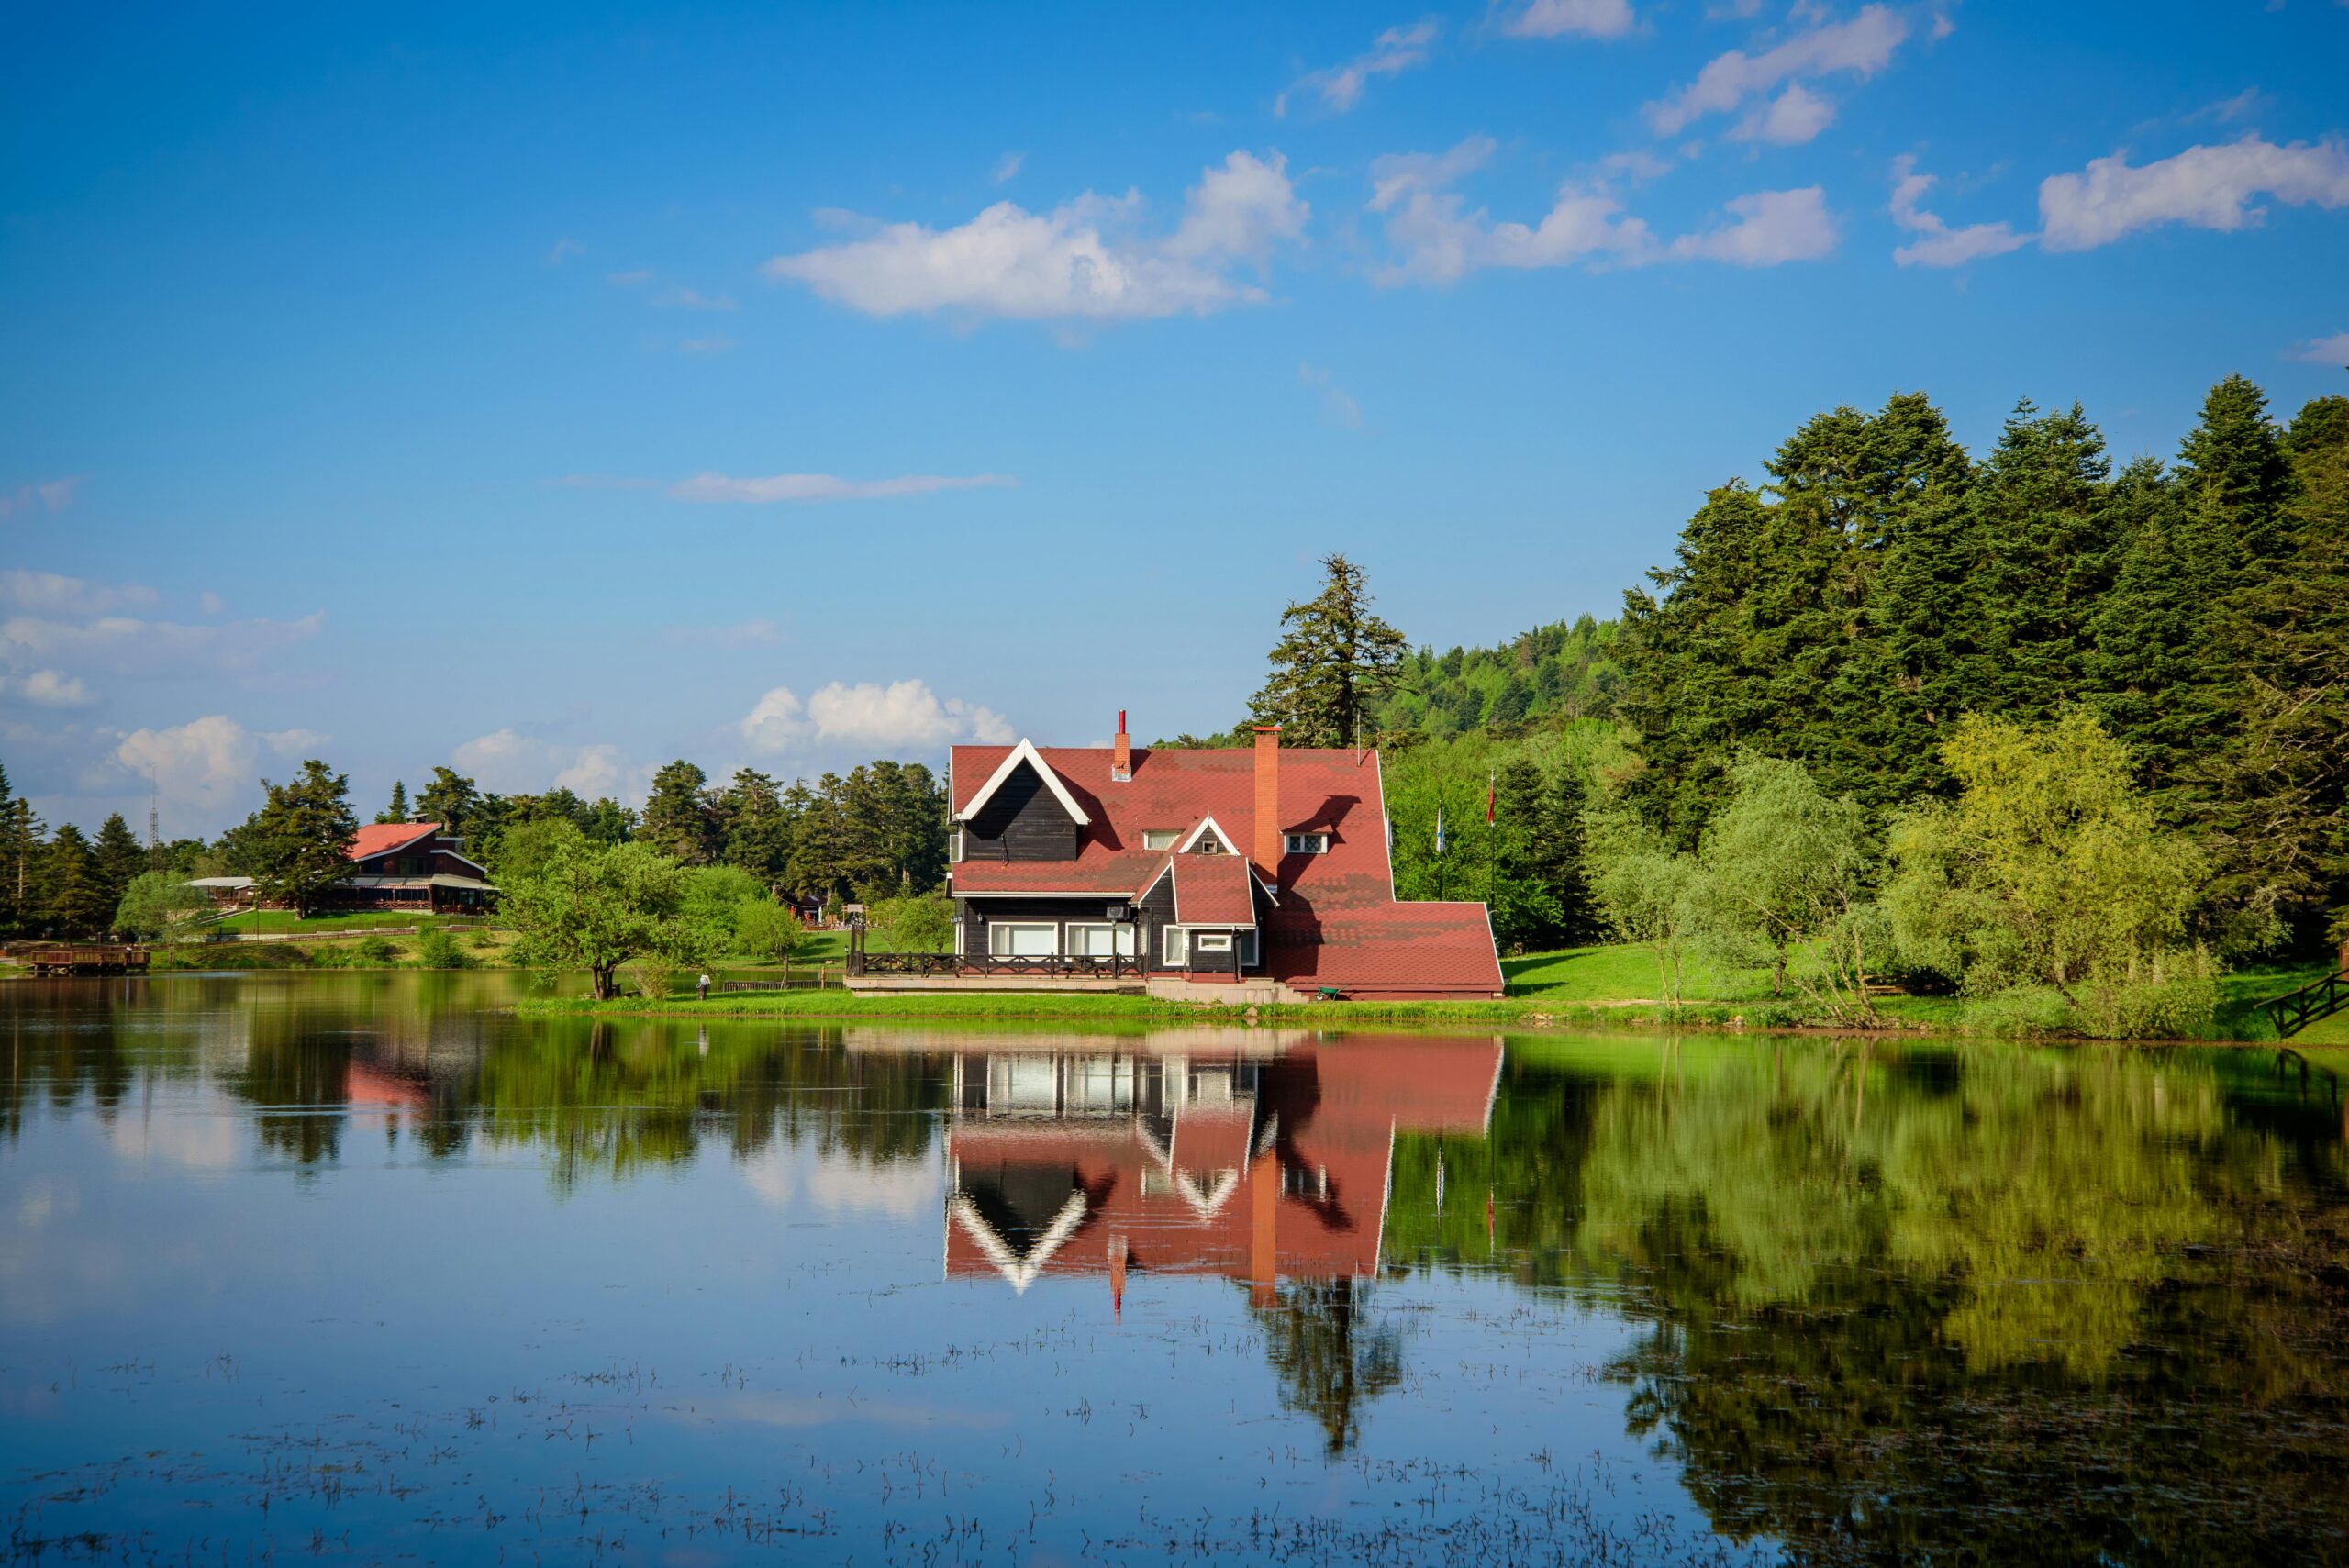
1438, 829
1492, 781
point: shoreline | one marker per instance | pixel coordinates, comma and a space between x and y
1724, 1018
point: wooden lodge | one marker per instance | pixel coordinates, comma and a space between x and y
1225, 873
411, 868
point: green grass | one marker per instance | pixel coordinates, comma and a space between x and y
1603, 986
274, 921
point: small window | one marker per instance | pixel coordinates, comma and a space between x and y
1174, 947
1160, 838
1305, 843
1206, 845
957, 848
1212, 942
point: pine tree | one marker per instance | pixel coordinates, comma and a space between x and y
677, 817
1334, 663
2049, 532
2278, 790
397, 810
120, 857
23, 864
756, 831
451, 800
301, 836
74, 893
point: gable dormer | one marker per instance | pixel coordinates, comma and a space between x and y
1022, 813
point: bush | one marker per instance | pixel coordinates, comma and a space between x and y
655, 975
438, 950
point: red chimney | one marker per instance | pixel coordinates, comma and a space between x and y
1122, 759
1267, 841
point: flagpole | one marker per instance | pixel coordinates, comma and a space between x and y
1492, 835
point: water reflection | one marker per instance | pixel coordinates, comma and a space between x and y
1845, 1301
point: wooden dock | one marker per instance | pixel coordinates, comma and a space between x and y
87, 958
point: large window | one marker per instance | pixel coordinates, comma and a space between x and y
1101, 942
1018, 940
1160, 838
1174, 947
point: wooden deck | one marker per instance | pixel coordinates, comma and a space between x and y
87, 958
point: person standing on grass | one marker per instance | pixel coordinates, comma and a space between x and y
703, 988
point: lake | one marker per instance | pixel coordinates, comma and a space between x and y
362, 1267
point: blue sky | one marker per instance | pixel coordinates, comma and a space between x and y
559, 393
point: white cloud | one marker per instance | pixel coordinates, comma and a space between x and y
1860, 47
211, 604
826, 486
903, 714
694, 299
705, 345
1557, 18
2332, 350
1339, 86
564, 247
506, 762
208, 766
1336, 406
49, 497
1437, 239
1793, 117
48, 688
52, 594
1081, 261
2202, 187
1938, 245
126, 645
634, 278
1637, 165
1943, 27
1772, 226
1006, 168
2241, 106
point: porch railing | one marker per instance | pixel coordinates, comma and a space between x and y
1058, 966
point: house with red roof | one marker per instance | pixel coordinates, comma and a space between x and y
413, 866
1263, 872
408, 867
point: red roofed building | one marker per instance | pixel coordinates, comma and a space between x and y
1267, 869
414, 867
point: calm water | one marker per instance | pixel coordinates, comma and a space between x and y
358, 1267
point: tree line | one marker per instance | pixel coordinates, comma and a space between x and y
875, 833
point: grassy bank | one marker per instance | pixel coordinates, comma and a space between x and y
1593, 987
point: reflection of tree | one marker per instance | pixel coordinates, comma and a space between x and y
1327, 1358
1918, 1305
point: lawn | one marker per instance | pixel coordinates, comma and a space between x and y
254, 922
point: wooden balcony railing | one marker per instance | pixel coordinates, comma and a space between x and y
1059, 966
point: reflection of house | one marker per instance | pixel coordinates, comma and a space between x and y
1252, 1168
1266, 868
412, 867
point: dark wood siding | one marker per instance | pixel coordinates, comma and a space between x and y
1021, 821
978, 914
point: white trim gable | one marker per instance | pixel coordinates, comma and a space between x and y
1230, 845
1025, 752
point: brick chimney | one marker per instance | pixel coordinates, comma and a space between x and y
1267, 843
1121, 756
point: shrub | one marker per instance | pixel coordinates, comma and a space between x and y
438, 950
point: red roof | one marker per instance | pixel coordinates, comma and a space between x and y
1213, 890
383, 838
1337, 921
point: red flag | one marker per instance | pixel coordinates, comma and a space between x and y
1490, 779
